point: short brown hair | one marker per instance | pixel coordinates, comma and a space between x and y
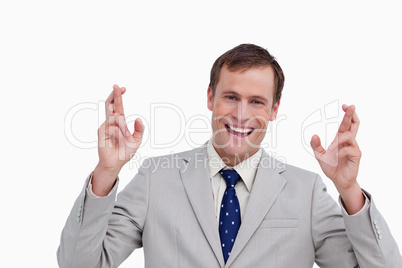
246, 56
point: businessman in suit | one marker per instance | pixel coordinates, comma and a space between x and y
279, 215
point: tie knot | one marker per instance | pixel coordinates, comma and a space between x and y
231, 177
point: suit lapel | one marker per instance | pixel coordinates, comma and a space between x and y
267, 186
196, 181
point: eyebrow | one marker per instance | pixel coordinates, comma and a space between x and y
231, 92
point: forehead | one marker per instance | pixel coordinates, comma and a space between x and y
255, 80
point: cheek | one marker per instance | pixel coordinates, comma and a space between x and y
222, 109
261, 117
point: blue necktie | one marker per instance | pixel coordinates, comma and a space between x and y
229, 219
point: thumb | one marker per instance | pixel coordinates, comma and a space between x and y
138, 130
316, 146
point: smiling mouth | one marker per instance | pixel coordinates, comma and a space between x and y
239, 132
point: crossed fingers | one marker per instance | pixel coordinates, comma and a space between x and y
348, 128
114, 103
115, 111
350, 121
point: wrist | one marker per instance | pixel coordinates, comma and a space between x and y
103, 180
348, 191
352, 198
104, 169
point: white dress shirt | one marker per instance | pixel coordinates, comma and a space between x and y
246, 169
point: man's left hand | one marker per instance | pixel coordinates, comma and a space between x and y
340, 162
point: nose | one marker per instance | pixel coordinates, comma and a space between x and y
243, 112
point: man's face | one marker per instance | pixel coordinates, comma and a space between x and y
241, 109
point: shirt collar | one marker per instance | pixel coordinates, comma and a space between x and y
246, 169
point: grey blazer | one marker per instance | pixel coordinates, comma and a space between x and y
167, 208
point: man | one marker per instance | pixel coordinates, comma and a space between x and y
227, 204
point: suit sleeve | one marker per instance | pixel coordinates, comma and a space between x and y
371, 238
102, 232
341, 240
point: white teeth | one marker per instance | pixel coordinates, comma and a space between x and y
240, 130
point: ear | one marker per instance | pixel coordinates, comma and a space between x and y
274, 111
210, 99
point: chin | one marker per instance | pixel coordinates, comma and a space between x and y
235, 151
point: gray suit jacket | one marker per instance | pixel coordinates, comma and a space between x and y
168, 209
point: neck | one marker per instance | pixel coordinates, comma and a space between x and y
232, 160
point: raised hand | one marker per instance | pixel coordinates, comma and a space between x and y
340, 162
116, 145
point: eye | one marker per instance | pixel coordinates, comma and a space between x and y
257, 102
231, 98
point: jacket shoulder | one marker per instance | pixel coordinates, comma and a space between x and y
175, 160
294, 174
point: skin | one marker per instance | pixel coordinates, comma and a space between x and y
243, 99
116, 145
340, 162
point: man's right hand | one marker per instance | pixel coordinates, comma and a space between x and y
116, 145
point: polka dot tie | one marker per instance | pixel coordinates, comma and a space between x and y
229, 219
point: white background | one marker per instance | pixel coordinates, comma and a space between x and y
55, 55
